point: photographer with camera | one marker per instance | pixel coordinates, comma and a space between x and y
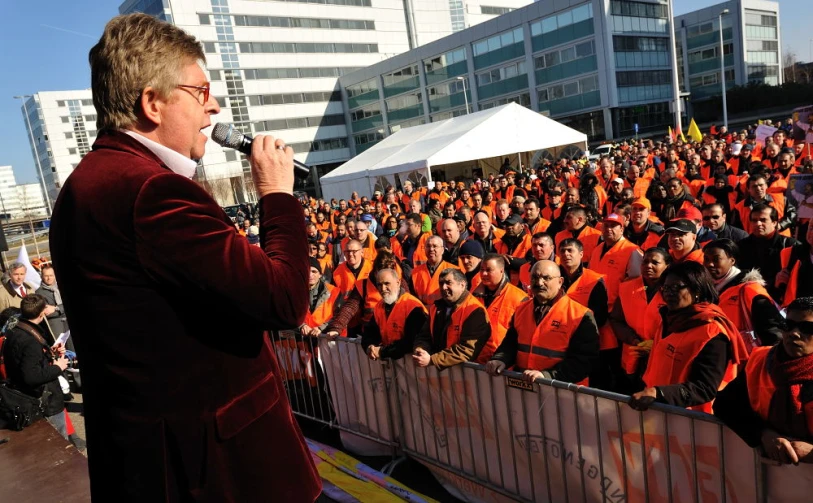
32, 365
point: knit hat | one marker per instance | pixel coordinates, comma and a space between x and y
316, 265
472, 248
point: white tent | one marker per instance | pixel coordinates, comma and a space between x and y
412, 152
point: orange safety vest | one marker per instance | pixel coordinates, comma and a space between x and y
458, 316
344, 279
499, 315
671, 359
736, 302
613, 265
696, 256
541, 347
642, 317
475, 281
324, 311
549, 214
522, 249
541, 226
581, 289
588, 238
371, 297
392, 327
418, 256
761, 387
744, 211
426, 287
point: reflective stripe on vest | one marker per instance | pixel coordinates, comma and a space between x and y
500, 311
392, 327
541, 347
459, 316
671, 359
641, 316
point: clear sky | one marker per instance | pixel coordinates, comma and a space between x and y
45, 44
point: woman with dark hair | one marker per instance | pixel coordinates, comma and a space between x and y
698, 349
770, 404
391, 227
636, 318
743, 296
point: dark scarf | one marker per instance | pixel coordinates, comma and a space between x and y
700, 314
794, 389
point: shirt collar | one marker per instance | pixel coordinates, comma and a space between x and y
176, 162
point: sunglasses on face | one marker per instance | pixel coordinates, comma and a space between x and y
805, 328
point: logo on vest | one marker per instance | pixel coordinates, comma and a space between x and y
555, 323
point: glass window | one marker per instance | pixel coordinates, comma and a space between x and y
581, 13
571, 88
556, 92
552, 59
568, 54
584, 49
542, 94
549, 24
588, 84
564, 19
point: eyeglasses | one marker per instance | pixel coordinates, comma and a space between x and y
805, 328
674, 288
546, 279
203, 96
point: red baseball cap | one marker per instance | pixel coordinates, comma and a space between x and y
690, 213
614, 217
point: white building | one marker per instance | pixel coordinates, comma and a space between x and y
274, 65
30, 200
62, 125
751, 46
17, 201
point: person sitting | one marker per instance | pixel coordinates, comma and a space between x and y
500, 299
396, 319
457, 328
33, 366
551, 337
768, 404
743, 296
636, 318
698, 349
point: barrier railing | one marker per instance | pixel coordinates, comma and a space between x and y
500, 439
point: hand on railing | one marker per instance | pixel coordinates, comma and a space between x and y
643, 399
495, 367
332, 335
421, 357
374, 352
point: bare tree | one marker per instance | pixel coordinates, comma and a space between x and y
789, 65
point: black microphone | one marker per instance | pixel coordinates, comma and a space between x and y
226, 135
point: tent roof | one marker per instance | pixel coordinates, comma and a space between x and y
495, 132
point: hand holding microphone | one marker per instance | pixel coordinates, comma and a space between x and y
269, 158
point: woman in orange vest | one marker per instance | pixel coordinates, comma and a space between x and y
769, 404
743, 296
635, 316
698, 350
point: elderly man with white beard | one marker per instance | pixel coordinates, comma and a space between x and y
396, 319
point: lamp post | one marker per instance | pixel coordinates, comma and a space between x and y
465, 95
36, 153
722, 68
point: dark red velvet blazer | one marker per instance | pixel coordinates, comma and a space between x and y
167, 305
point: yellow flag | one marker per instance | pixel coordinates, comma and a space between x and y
671, 135
694, 131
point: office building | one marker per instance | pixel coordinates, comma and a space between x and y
601, 66
274, 66
752, 47
19, 201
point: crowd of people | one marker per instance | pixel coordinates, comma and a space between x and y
672, 271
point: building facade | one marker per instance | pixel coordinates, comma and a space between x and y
600, 66
61, 129
19, 201
274, 65
751, 47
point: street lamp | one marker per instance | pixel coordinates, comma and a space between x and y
465, 96
722, 68
36, 153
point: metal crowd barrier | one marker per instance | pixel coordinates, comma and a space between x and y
500, 439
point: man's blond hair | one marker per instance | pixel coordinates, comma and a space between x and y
136, 51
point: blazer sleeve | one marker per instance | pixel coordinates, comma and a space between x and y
183, 239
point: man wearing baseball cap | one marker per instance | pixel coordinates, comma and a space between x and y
642, 230
681, 234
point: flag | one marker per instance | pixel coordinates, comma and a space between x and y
671, 134
679, 134
694, 131
31, 276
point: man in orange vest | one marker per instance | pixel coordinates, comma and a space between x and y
514, 246
533, 221
411, 247
457, 328
355, 267
576, 227
758, 194
426, 277
397, 318
542, 248
500, 299
681, 234
485, 233
324, 299
552, 336
767, 405
471, 255
642, 230
585, 286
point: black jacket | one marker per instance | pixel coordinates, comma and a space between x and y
763, 254
730, 232
29, 368
788, 215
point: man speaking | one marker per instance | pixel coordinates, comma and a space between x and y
167, 303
